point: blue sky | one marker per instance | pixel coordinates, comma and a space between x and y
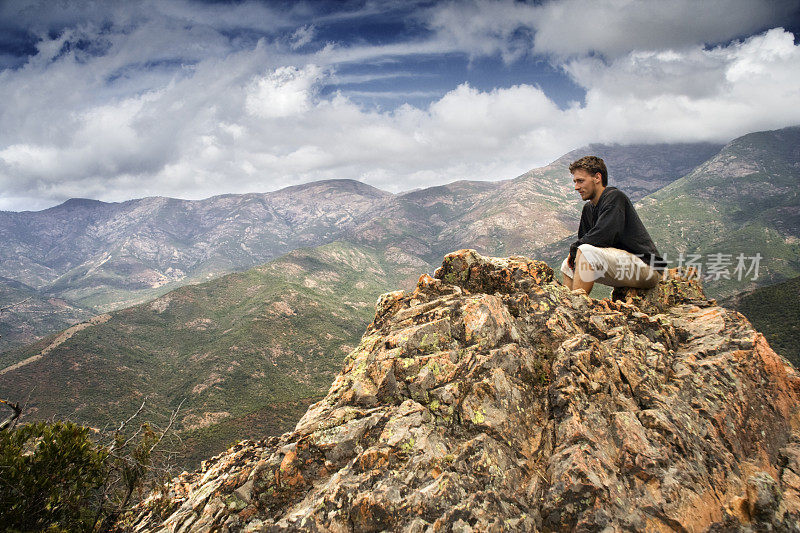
116, 100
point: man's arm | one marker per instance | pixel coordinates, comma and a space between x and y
586, 220
606, 231
583, 227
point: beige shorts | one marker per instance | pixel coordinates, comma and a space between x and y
614, 267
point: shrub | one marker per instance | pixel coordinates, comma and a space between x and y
58, 476
52, 478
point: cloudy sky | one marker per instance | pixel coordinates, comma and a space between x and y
185, 98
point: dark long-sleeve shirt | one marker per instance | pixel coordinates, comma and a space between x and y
614, 223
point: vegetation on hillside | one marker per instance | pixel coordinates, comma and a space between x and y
248, 351
64, 477
26, 314
775, 312
742, 201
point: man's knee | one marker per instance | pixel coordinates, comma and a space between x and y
594, 256
587, 267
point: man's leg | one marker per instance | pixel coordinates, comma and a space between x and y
617, 268
583, 272
567, 281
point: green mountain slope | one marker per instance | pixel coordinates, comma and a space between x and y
745, 200
775, 312
247, 351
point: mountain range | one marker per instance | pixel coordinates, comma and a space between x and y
249, 351
97, 256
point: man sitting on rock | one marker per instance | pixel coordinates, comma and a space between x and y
613, 246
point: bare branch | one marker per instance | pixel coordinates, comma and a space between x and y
111, 447
17, 411
28, 399
124, 444
166, 429
134, 415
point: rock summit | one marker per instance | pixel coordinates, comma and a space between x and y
491, 398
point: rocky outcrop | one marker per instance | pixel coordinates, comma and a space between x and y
490, 398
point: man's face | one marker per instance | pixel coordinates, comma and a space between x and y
586, 184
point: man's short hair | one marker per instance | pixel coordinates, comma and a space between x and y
591, 164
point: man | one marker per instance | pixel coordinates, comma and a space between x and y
613, 246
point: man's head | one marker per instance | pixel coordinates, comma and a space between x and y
591, 164
590, 176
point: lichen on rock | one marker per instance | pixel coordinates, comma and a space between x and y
491, 398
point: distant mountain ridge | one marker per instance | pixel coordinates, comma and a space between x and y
64, 237
89, 249
744, 200
103, 256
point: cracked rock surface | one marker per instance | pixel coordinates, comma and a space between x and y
491, 398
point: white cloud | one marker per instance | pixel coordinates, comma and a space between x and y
489, 120
612, 28
176, 110
694, 73
302, 36
617, 27
283, 92
484, 28
697, 94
